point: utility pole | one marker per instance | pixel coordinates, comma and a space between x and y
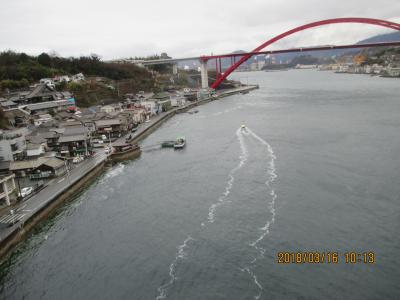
68, 174
19, 186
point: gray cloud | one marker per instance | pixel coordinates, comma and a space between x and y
123, 28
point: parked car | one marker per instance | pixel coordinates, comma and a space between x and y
25, 191
77, 159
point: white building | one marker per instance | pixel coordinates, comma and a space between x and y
150, 106
12, 144
42, 119
34, 150
78, 77
62, 78
178, 101
108, 109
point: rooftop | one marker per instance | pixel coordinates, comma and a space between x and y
31, 146
72, 138
35, 163
107, 122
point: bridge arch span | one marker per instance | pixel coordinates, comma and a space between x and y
377, 22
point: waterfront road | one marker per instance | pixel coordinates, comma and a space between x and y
26, 209
143, 127
155, 119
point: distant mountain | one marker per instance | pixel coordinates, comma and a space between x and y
287, 57
326, 54
388, 37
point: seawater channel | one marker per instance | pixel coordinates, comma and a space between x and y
316, 169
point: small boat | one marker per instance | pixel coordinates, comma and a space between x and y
180, 143
123, 151
243, 127
168, 144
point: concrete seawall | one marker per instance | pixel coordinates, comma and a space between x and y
18, 232
18, 235
142, 135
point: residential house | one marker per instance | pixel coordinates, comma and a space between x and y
43, 118
150, 106
42, 167
110, 109
4, 167
78, 77
62, 78
142, 96
34, 150
41, 98
137, 113
48, 82
40, 93
112, 127
395, 72
164, 105
51, 138
36, 146
177, 101
55, 105
13, 144
7, 104
73, 145
49, 168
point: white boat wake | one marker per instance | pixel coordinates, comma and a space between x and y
211, 216
181, 254
264, 231
115, 171
243, 157
222, 199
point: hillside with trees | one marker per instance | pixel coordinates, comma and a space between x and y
18, 70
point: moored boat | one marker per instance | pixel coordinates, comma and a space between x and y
124, 151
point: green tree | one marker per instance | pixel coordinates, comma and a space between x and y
3, 120
44, 59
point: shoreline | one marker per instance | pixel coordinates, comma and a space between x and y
11, 237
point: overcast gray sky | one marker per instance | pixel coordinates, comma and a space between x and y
123, 28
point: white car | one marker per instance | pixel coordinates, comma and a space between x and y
77, 159
26, 191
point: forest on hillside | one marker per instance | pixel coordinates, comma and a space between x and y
18, 70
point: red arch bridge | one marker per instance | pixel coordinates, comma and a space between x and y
238, 59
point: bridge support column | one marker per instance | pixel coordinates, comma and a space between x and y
175, 69
204, 74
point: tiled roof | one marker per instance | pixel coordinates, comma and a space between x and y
72, 138
107, 122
